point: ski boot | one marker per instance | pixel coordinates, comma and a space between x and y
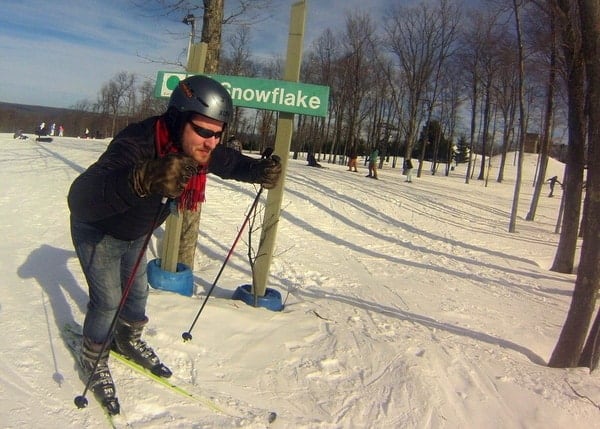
128, 342
101, 382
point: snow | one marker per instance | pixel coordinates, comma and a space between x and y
406, 306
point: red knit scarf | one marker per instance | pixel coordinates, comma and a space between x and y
194, 190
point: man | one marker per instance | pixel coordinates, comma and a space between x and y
119, 200
553, 181
373, 158
312, 161
352, 159
408, 168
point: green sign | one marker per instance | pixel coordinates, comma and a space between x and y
267, 94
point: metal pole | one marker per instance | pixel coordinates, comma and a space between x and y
187, 336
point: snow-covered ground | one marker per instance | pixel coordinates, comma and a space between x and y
406, 306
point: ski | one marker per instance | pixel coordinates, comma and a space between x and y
73, 337
165, 382
116, 421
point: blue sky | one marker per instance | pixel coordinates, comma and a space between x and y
56, 53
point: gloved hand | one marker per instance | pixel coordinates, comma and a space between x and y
268, 171
165, 176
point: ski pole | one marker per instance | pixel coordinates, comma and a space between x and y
81, 401
187, 336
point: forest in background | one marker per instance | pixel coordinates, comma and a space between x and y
439, 76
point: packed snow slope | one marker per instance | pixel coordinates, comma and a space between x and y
406, 306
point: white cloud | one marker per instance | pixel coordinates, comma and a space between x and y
63, 51
57, 53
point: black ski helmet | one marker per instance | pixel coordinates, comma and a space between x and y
203, 95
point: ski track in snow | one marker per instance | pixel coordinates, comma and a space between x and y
407, 305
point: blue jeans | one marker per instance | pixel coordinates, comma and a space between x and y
107, 264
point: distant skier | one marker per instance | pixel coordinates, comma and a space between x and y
234, 143
408, 168
312, 161
41, 130
373, 158
266, 153
352, 159
553, 181
19, 135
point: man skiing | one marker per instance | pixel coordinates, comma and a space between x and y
117, 202
553, 181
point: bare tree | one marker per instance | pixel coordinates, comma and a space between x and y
452, 99
115, 96
148, 104
506, 91
517, 10
567, 352
238, 63
352, 70
567, 13
493, 39
214, 17
325, 51
447, 17
474, 43
551, 34
415, 36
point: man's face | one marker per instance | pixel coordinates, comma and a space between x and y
199, 140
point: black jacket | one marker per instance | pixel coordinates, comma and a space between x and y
103, 195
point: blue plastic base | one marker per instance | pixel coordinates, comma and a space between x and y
271, 300
181, 282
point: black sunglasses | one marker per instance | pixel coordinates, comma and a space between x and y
204, 132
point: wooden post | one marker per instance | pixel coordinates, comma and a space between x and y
283, 139
170, 249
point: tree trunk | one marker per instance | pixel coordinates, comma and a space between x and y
486, 127
474, 95
573, 181
541, 177
571, 340
212, 22
567, 352
512, 227
589, 356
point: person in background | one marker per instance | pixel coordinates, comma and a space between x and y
19, 135
41, 130
408, 168
352, 159
266, 153
120, 199
373, 158
553, 181
234, 143
312, 161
